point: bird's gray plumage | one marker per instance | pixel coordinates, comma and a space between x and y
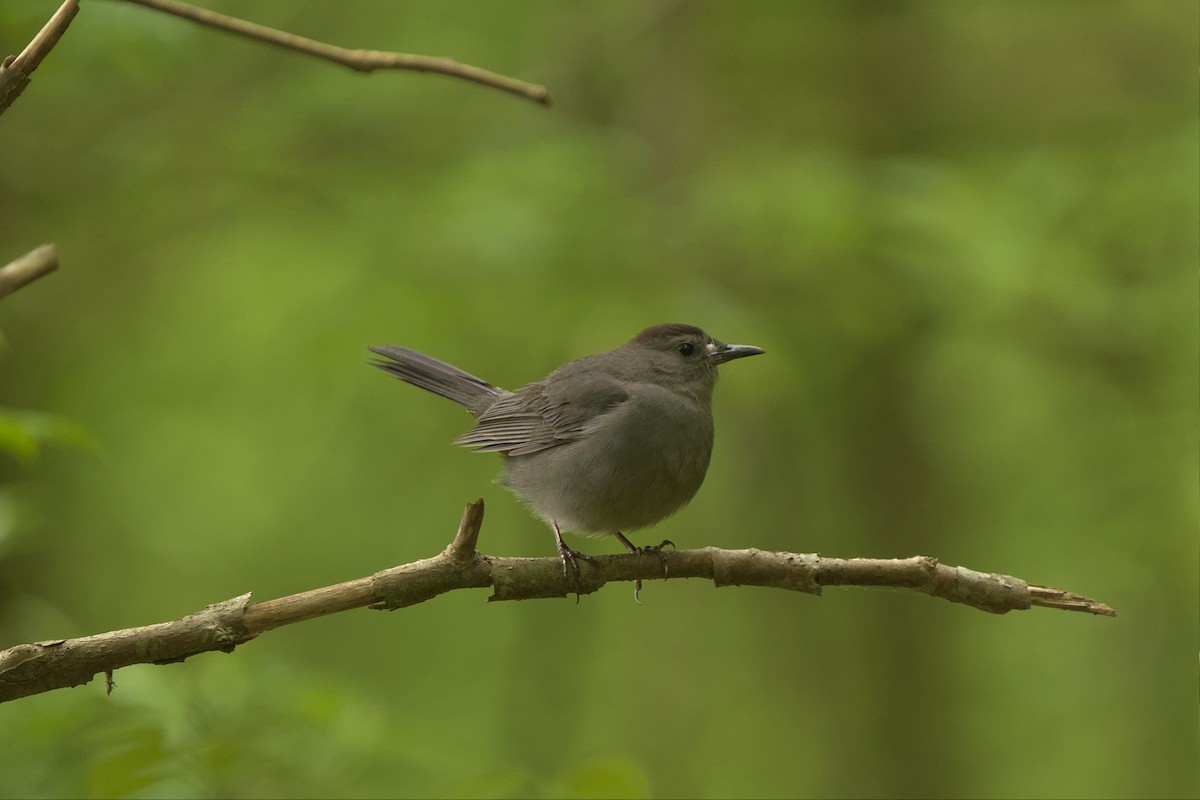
608, 443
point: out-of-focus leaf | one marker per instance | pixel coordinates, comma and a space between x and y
611, 778
23, 434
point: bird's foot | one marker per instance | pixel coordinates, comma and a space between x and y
656, 549
568, 557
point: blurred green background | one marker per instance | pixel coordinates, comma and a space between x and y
965, 233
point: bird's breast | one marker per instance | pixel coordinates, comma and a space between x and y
632, 466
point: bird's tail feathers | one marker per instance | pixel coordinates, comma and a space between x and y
426, 372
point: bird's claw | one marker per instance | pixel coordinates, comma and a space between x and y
656, 549
568, 558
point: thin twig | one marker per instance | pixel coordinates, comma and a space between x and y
28, 669
15, 71
360, 60
28, 268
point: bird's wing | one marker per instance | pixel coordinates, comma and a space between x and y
541, 415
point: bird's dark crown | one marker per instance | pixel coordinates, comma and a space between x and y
669, 330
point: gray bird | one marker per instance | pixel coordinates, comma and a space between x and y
609, 443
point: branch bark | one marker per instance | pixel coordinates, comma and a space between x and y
28, 268
37, 667
359, 60
15, 70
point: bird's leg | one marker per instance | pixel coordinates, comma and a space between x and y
568, 556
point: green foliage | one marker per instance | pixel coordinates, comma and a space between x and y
24, 433
965, 233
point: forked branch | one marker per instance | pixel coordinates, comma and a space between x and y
42, 666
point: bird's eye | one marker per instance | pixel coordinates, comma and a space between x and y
687, 348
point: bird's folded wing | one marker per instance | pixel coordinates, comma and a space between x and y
539, 416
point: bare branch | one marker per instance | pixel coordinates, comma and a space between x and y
467, 537
28, 268
360, 60
28, 669
15, 71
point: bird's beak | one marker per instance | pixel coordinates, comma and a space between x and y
720, 353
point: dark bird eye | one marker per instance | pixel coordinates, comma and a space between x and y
687, 348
